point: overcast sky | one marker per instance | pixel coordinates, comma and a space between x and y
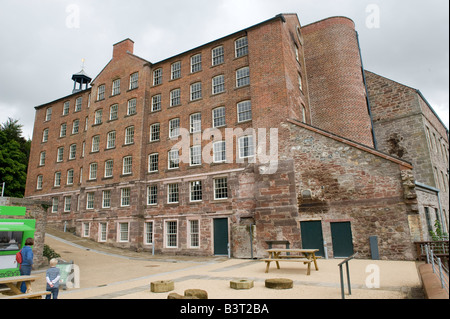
44, 41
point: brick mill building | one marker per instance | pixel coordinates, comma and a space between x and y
347, 164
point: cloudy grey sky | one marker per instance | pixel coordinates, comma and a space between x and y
43, 41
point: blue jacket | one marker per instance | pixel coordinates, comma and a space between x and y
27, 256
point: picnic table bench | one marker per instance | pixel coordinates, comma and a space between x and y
306, 256
14, 283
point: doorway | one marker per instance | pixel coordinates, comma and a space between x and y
341, 234
312, 236
221, 236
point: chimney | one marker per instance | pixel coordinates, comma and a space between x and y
122, 48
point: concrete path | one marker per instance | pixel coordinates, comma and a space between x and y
110, 273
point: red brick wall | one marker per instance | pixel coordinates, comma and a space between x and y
337, 93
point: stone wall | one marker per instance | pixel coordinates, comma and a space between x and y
341, 181
34, 210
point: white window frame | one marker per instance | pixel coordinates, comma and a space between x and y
129, 135
66, 108
48, 114
134, 81
173, 159
42, 158
196, 63
167, 240
217, 55
109, 167
195, 155
101, 92
111, 140
57, 182
175, 97
246, 146
219, 117
78, 104
102, 230
172, 191
149, 235
115, 87
156, 103
125, 197
63, 130
55, 204
40, 182
157, 76
195, 122
90, 200
70, 176
151, 163
60, 155
192, 233
196, 91
175, 70
195, 194
174, 128
132, 105
67, 204
218, 84
86, 229
151, 195
73, 152
95, 144
106, 198
75, 126
127, 165
155, 132
98, 117
243, 77
93, 167
243, 109
217, 189
123, 231
241, 47
219, 152
114, 112
45, 135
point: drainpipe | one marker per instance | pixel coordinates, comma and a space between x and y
437, 191
375, 144
251, 239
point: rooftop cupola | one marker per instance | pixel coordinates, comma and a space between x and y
80, 81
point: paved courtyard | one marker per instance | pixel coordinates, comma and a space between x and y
110, 273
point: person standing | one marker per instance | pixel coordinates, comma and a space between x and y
53, 276
27, 261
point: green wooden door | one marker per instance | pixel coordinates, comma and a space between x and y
341, 234
221, 236
312, 237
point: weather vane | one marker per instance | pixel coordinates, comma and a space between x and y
82, 64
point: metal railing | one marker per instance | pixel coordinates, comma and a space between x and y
348, 275
440, 248
438, 267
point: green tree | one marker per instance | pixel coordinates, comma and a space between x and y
14, 155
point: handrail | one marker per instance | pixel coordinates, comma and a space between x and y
348, 275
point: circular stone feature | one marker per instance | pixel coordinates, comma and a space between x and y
197, 293
279, 283
241, 284
162, 286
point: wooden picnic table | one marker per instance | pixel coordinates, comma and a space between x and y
14, 283
307, 256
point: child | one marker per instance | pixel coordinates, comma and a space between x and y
53, 277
